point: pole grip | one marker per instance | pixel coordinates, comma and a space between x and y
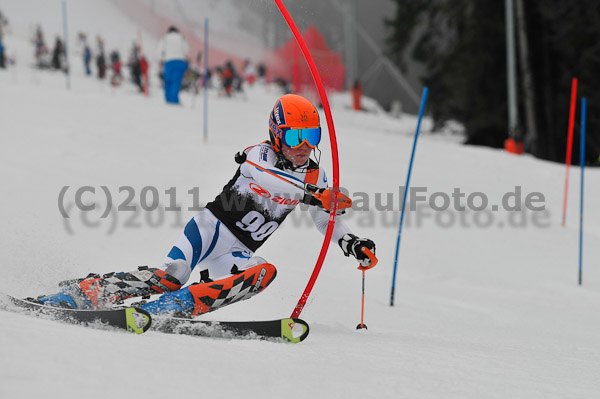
372, 258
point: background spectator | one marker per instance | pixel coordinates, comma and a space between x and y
173, 50
101, 59
115, 66
58, 54
3, 22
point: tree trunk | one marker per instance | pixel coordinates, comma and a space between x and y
531, 137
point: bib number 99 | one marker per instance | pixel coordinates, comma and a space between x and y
254, 223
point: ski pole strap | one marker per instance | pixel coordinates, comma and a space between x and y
372, 258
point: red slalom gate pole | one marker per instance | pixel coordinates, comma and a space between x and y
569, 146
334, 154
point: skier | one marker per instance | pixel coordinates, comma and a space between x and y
86, 51
43, 59
87, 57
262, 73
221, 240
2, 62
249, 72
229, 75
58, 55
3, 22
115, 66
173, 50
135, 67
100, 58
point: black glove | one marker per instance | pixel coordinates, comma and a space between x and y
309, 199
351, 245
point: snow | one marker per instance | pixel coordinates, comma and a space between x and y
480, 312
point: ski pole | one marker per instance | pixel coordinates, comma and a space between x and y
241, 157
363, 268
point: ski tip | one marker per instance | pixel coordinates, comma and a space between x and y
11, 301
138, 320
294, 330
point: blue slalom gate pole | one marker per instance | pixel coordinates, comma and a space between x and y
412, 157
205, 80
582, 164
66, 38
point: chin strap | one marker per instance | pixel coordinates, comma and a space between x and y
284, 163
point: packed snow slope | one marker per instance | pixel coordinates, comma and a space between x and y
487, 303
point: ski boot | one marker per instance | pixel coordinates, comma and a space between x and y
206, 297
101, 292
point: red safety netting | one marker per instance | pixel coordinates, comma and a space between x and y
287, 63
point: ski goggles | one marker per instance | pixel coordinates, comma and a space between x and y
295, 137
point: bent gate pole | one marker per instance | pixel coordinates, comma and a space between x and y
334, 154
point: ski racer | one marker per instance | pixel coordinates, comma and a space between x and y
222, 239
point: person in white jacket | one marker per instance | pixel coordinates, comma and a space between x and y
173, 50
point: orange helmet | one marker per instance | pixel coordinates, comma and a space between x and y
291, 112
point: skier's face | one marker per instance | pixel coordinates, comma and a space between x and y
297, 156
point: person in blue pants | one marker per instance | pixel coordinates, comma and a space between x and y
173, 49
173, 75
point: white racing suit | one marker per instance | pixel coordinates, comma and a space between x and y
221, 241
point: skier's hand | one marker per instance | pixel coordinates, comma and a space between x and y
323, 197
352, 245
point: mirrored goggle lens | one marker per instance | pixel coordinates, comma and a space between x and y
296, 137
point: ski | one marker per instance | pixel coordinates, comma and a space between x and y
289, 330
134, 320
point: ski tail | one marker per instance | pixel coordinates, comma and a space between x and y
294, 330
134, 320
290, 330
137, 320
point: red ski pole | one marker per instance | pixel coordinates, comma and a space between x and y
363, 268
